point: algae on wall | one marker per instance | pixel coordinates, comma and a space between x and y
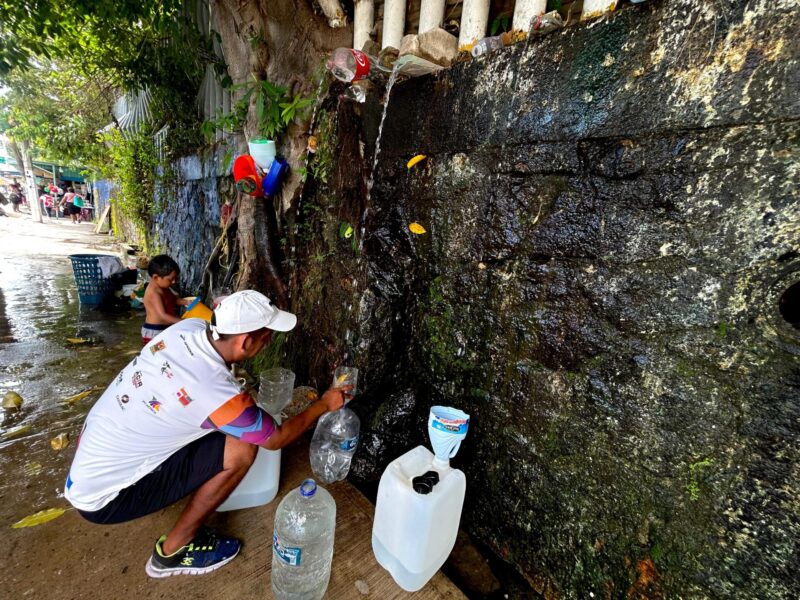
612, 218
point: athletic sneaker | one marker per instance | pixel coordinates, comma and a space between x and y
205, 553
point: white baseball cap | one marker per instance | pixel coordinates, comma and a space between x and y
248, 311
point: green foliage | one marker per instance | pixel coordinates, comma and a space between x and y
275, 109
58, 109
322, 164
133, 164
695, 472
553, 5
500, 24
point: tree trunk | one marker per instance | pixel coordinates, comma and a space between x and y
23, 157
282, 41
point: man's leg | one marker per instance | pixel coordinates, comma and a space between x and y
238, 458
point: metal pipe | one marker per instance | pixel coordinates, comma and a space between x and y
525, 11
363, 20
431, 15
474, 20
394, 23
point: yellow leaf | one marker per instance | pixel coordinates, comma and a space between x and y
417, 159
77, 340
60, 442
43, 516
416, 228
32, 468
15, 432
342, 378
12, 400
77, 397
348, 233
312, 395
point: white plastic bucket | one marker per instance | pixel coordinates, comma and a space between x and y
260, 485
263, 152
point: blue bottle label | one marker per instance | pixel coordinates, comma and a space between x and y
349, 444
291, 556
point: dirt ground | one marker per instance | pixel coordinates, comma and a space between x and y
69, 558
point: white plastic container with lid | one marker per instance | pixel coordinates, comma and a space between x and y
260, 485
418, 509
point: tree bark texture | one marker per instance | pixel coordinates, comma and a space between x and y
283, 42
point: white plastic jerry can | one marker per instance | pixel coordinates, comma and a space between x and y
417, 514
260, 485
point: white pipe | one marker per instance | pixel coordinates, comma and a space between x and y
474, 20
525, 11
333, 10
363, 20
394, 23
431, 15
596, 8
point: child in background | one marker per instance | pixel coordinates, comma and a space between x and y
160, 302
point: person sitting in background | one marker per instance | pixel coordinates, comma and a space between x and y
160, 302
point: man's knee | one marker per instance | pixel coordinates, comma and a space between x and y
238, 454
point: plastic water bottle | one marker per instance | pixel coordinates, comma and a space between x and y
302, 543
347, 64
334, 443
486, 45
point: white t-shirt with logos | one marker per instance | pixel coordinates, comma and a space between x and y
154, 407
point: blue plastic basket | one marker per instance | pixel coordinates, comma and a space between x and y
93, 288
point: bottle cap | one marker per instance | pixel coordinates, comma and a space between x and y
423, 484
308, 488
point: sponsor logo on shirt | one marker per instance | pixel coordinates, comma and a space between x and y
183, 397
166, 370
158, 347
185, 343
122, 400
154, 405
135, 360
119, 378
136, 380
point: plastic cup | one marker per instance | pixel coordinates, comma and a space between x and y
263, 152
345, 376
276, 389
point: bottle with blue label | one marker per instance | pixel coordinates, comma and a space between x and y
302, 543
334, 444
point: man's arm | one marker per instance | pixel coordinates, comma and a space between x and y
292, 429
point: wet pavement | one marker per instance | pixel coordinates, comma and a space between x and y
39, 313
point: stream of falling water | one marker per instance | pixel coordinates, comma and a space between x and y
376, 155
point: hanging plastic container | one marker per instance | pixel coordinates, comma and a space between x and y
246, 175
272, 180
419, 504
197, 310
263, 153
260, 485
302, 543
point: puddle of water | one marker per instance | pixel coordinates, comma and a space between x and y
41, 311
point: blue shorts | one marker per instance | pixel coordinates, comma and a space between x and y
178, 476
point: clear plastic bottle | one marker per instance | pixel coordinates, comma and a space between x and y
486, 45
347, 64
334, 443
302, 543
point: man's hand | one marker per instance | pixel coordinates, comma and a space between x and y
335, 398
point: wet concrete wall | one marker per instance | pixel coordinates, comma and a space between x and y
612, 220
187, 222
